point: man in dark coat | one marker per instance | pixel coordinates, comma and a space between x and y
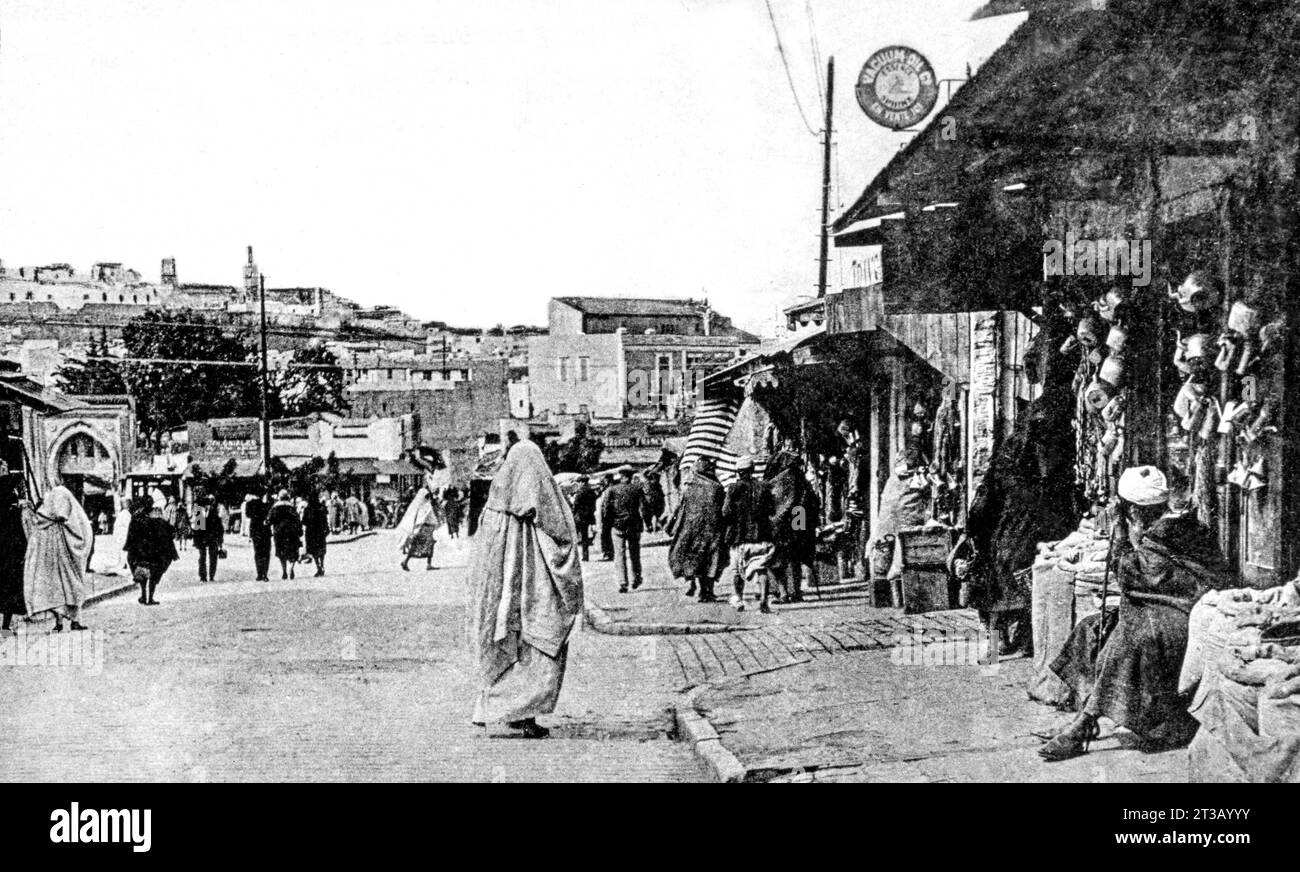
1163, 562
316, 529
795, 510
453, 509
286, 529
747, 514
584, 515
209, 535
698, 551
259, 531
150, 548
653, 508
622, 512
606, 532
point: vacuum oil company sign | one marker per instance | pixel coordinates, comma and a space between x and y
897, 87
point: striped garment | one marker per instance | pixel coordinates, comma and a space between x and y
714, 419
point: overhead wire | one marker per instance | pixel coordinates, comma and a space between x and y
780, 47
816, 56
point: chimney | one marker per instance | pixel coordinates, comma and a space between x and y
708, 317
169, 271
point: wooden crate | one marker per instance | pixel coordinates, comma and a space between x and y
925, 546
925, 590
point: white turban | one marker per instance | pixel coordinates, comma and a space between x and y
1144, 486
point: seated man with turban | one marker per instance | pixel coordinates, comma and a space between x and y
1126, 667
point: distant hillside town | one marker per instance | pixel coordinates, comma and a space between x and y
127, 385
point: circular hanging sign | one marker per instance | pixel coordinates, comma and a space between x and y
897, 87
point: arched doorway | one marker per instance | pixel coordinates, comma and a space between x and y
88, 470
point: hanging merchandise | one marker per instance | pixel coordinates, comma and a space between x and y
1097, 395
1112, 304
1256, 476
1262, 423
1237, 477
1112, 371
1196, 293
1271, 337
1116, 339
1194, 349
1190, 403
1239, 339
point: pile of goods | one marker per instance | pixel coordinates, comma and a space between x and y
1066, 587
1243, 660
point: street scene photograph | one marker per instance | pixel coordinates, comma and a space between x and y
651, 391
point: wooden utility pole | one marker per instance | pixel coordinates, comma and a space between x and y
826, 180
266, 383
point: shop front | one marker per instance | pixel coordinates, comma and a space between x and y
1143, 217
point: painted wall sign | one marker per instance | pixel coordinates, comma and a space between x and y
897, 87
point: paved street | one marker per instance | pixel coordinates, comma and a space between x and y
834, 690
359, 676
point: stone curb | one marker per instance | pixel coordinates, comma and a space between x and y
343, 540
600, 621
108, 594
705, 742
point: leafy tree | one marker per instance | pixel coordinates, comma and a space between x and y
302, 390
169, 394
304, 480
93, 376
333, 478
580, 454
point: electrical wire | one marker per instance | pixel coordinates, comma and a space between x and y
816, 56
780, 47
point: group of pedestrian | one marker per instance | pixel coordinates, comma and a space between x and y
765, 530
625, 506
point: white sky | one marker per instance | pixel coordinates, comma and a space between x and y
462, 160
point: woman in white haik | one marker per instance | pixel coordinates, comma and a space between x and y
418, 529
525, 593
59, 538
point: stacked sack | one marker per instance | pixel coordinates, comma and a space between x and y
1243, 660
1066, 587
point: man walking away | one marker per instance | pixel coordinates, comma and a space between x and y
623, 516
209, 535
584, 515
150, 548
260, 532
653, 508
286, 529
795, 510
697, 552
606, 538
315, 528
747, 513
